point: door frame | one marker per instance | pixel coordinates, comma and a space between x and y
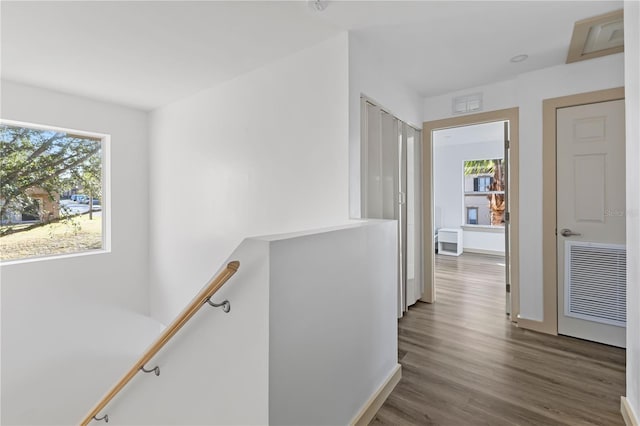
549, 323
511, 115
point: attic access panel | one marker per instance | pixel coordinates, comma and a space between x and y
597, 36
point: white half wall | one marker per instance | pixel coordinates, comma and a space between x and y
632, 105
366, 77
310, 337
121, 276
264, 153
487, 242
527, 92
332, 322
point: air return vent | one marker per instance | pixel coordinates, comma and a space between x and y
596, 282
467, 103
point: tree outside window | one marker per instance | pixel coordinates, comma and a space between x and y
484, 192
50, 192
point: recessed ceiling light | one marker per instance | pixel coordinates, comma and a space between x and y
519, 58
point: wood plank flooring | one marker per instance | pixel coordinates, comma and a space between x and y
463, 363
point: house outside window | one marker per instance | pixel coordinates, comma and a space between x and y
472, 215
483, 198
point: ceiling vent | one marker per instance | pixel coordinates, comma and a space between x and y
467, 103
598, 36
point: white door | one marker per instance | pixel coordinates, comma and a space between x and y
591, 222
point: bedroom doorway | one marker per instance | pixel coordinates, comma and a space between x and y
470, 192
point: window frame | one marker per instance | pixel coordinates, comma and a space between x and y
478, 193
105, 149
470, 209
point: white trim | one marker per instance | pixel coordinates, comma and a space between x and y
484, 228
629, 416
75, 132
105, 147
373, 404
4, 263
106, 193
482, 251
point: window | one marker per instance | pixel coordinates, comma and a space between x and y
51, 191
472, 215
482, 183
484, 192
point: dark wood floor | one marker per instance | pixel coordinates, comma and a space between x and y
463, 363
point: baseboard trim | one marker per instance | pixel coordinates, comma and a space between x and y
371, 407
628, 415
539, 326
482, 251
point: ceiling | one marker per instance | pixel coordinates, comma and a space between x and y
149, 53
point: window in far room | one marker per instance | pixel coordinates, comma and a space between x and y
472, 215
52, 189
484, 201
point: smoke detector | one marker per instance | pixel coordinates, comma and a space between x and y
318, 5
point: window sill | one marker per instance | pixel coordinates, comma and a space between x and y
484, 228
472, 193
47, 258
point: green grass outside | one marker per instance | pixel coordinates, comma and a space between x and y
53, 239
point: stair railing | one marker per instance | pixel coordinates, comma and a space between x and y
196, 303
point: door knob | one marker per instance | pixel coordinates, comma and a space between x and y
569, 233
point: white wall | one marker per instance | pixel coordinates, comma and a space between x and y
488, 242
527, 92
119, 277
311, 336
332, 322
632, 104
216, 369
45, 322
367, 78
264, 153
495, 96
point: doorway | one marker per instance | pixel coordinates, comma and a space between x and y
584, 243
481, 178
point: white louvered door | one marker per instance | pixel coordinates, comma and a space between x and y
591, 222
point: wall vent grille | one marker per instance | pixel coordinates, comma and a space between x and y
467, 103
596, 282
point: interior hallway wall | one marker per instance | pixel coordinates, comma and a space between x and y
366, 77
632, 105
527, 92
68, 280
264, 153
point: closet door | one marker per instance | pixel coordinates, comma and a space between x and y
391, 189
371, 161
389, 166
392, 157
